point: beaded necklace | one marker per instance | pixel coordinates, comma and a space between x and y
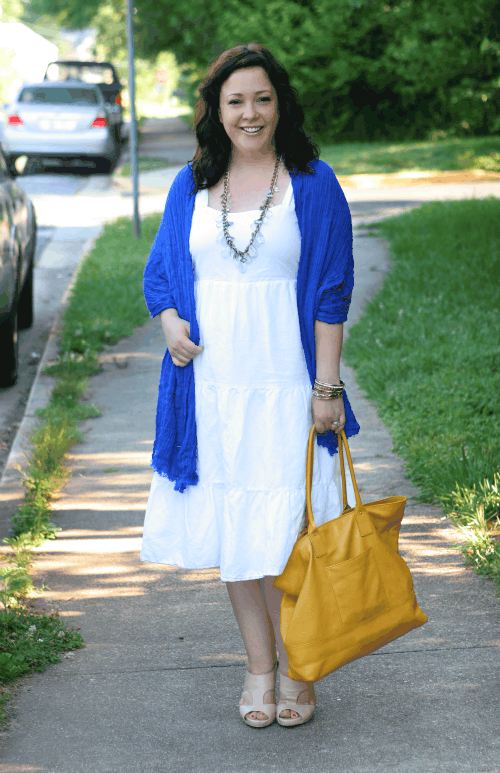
226, 198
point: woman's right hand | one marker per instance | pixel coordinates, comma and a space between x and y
181, 348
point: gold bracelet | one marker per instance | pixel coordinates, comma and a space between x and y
333, 395
329, 386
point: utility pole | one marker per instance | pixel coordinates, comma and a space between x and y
133, 122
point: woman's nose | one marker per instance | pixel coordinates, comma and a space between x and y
249, 110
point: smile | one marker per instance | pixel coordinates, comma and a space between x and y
251, 129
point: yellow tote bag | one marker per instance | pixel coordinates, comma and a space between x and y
347, 591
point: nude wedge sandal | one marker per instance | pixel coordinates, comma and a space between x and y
255, 687
292, 690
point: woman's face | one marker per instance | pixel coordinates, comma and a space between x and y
249, 111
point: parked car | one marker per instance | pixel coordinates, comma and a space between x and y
60, 123
101, 74
17, 253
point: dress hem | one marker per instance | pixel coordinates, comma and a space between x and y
225, 579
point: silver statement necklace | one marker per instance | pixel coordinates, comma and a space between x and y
256, 238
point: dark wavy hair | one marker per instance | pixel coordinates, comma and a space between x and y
214, 146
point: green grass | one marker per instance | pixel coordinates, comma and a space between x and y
145, 165
107, 300
30, 641
440, 155
427, 351
106, 304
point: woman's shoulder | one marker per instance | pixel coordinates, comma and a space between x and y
322, 180
323, 172
182, 185
184, 178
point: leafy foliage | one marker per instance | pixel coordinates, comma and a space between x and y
364, 70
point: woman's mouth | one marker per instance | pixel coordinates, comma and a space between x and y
251, 129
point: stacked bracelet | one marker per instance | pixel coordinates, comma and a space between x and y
325, 391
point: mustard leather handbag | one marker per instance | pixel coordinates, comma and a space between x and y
347, 591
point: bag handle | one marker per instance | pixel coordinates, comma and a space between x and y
342, 441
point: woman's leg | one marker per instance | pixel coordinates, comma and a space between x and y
256, 629
272, 598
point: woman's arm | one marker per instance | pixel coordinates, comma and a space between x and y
328, 338
328, 348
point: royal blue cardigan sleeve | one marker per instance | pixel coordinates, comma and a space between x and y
337, 283
157, 292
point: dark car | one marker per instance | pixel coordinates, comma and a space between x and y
101, 74
17, 252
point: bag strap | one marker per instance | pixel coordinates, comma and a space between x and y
345, 503
343, 444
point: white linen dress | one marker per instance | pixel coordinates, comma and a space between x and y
253, 410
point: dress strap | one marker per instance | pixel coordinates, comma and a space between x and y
288, 200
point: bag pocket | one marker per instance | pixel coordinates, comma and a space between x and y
358, 588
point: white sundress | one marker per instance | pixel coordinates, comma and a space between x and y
253, 411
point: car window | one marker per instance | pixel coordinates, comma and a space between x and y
75, 72
56, 95
4, 172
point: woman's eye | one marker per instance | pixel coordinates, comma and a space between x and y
234, 102
265, 99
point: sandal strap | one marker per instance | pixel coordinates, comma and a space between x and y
304, 711
254, 688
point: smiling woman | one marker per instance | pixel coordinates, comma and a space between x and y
254, 259
249, 111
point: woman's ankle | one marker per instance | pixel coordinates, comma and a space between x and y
257, 668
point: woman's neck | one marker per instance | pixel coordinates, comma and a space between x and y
255, 163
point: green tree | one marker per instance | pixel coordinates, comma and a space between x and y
10, 10
363, 70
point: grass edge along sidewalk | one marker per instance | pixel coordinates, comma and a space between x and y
105, 305
427, 352
449, 154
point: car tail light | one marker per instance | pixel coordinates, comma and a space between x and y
118, 99
99, 122
14, 120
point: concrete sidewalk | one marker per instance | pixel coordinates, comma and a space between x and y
157, 687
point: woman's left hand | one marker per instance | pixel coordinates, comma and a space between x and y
326, 413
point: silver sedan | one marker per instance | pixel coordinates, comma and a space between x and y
60, 122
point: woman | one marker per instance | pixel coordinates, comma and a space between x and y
252, 303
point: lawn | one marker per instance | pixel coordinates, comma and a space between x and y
427, 352
145, 165
441, 155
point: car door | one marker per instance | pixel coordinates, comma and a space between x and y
18, 205
7, 274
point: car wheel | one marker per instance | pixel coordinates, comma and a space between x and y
25, 303
9, 349
103, 165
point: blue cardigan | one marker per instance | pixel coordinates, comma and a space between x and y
325, 280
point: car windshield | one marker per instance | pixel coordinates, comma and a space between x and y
58, 95
76, 72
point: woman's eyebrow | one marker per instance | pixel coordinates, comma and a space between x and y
237, 94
